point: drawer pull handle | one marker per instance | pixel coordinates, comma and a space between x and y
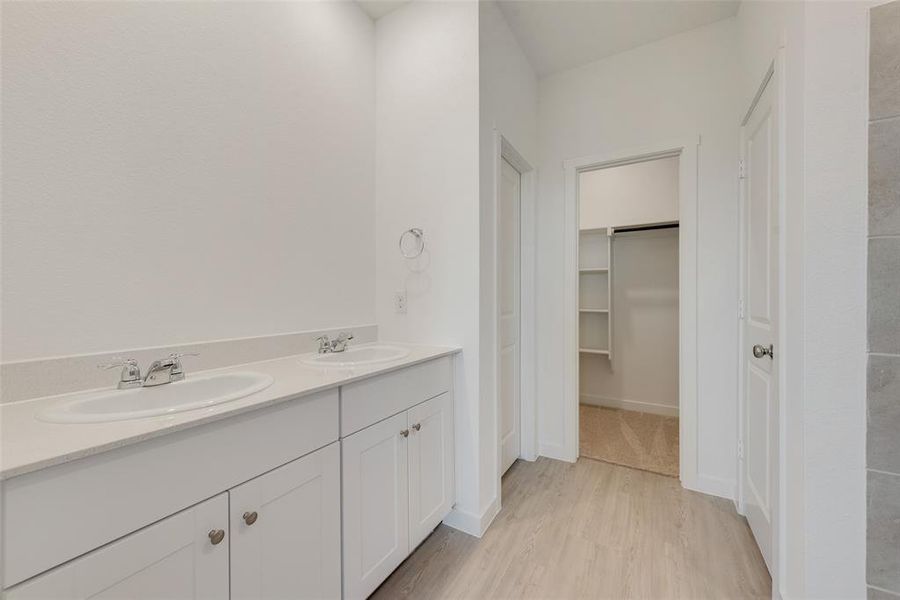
216, 536
417, 426
405, 433
250, 517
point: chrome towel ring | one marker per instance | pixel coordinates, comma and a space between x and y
412, 243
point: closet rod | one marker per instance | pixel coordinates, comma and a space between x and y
646, 227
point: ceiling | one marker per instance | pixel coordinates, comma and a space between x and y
378, 8
560, 34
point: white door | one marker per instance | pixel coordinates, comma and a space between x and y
430, 466
183, 556
286, 531
760, 323
508, 258
375, 504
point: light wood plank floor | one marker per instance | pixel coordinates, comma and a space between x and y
590, 530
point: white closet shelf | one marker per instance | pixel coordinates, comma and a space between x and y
593, 351
595, 274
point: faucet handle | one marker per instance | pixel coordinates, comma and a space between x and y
176, 357
131, 372
324, 344
340, 344
119, 362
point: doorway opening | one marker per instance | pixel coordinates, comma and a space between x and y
631, 309
628, 314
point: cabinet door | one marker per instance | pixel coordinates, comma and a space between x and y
431, 475
173, 559
286, 531
375, 496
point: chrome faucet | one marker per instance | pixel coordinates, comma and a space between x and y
324, 344
166, 370
339, 344
131, 372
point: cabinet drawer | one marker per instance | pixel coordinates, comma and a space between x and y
371, 400
89, 502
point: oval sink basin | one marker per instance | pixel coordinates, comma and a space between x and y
190, 394
358, 356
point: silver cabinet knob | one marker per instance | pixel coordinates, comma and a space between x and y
760, 351
405, 433
417, 426
250, 517
216, 536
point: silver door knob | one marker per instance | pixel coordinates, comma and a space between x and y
760, 351
405, 433
250, 517
417, 426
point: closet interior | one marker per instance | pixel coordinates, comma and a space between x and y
628, 314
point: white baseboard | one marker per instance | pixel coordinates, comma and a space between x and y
471, 523
714, 486
635, 405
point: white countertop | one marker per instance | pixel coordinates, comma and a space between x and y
28, 444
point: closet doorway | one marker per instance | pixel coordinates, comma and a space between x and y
628, 315
632, 286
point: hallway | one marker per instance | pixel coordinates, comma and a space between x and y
590, 530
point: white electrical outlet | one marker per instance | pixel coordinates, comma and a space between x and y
400, 302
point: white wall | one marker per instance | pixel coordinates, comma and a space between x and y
635, 194
508, 94
427, 176
679, 87
643, 374
179, 172
825, 53
836, 136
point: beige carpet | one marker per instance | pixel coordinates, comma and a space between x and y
632, 439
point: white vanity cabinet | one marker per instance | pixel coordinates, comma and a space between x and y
375, 504
96, 520
278, 536
182, 556
246, 507
398, 481
286, 531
